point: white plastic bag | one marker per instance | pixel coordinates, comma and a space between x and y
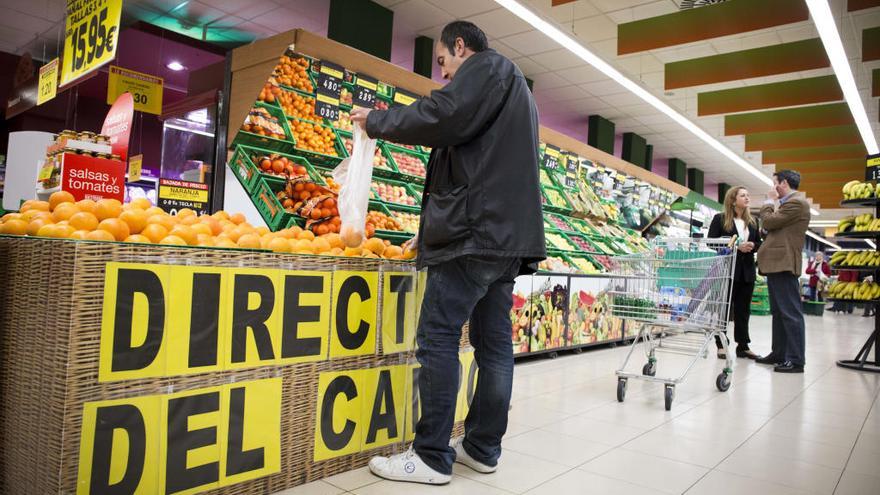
354, 175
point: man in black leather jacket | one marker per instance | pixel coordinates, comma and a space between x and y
481, 226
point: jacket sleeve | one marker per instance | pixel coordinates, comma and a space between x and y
715, 227
449, 116
755, 233
775, 219
811, 269
826, 269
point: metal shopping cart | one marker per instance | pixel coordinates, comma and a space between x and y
679, 293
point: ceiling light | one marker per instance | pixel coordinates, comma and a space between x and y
575, 47
175, 66
822, 240
815, 212
821, 14
870, 243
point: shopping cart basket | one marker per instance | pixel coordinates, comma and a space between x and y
679, 293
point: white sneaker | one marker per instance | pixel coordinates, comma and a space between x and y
462, 457
407, 466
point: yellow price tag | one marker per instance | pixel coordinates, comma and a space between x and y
328, 99
873, 162
403, 99
145, 89
91, 34
134, 168
48, 84
46, 172
367, 84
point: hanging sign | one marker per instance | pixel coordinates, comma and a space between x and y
175, 195
92, 178
134, 168
117, 125
47, 87
551, 158
330, 79
365, 91
405, 98
572, 163
145, 89
571, 182
872, 164
327, 106
91, 35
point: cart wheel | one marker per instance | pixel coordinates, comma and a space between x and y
578, 350
649, 369
553, 355
668, 395
723, 382
621, 389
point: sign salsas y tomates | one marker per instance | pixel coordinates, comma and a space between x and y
91, 35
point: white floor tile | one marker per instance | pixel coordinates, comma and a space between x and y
852, 483
516, 472
646, 470
554, 447
721, 483
797, 474
319, 487
594, 430
353, 479
798, 449
458, 486
579, 482
706, 452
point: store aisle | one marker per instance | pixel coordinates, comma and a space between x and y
770, 433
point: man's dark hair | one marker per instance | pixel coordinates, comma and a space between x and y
792, 177
473, 37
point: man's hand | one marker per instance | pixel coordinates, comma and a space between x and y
359, 116
772, 194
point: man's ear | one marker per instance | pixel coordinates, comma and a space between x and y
459, 47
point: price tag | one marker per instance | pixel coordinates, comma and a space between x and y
91, 34
145, 89
570, 181
46, 171
327, 106
551, 158
365, 91
405, 98
872, 164
134, 168
572, 163
48, 84
330, 79
175, 195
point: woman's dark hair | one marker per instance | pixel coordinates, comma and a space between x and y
792, 177
473, 37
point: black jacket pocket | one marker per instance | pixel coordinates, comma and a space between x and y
445, 217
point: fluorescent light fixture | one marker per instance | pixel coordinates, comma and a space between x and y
822, 240
821, 14
870, 243
575, 47
815, 212
824, 223
175, 66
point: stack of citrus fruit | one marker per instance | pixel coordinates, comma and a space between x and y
140, 222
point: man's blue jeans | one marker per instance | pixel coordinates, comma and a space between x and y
479, 289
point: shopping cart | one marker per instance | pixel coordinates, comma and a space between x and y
678, 292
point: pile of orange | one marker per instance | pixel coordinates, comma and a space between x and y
109, 220
269, 93
292, 71
314, 137
297, 106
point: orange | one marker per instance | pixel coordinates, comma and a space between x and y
173, 240
185, 212
14, 227
34, 205
142, 203
100, 235
250, 241
79, 234
353, 251
186, 233
204, 240
108, 208
393, 252
155, 210
135, 218
262, 230
164, 220
154, 232
11, 216
116, 227
226, 243
190, 220
87, 205
307, 235
375, 245
321, 245
211, 222
351, 237
335, 240
201, 228
279, 245
37, 224
64, 211
221, 215
303, 245
47, 230
60, 197
239, 231
84, 221
63, 231
336, 251
138, 238
237, 218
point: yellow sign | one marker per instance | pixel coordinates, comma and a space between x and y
145, 89
91, 35
48, 85
398, 312
403, 99
367, 84
183, 193
873, 162
134, 168
233, 318
46, 171
328, 99
185, 442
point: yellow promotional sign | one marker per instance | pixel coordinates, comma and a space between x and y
874, 161
135, 164
91, 36
398, 312
353, 322
185, 442
145, 89
47, 86
183, 193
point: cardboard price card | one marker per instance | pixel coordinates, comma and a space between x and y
145, 89
91, 35
175, 195
48, 84
551, 158
330, 79
405, 98
365, 91
872, 167
327, 106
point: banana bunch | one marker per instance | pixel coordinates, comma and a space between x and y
856, 189
864, 291
855, 258
862, 223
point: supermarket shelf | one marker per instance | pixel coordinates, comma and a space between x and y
858, 235
834, 299
849, 203
856, 268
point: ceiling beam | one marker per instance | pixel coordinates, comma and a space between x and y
783, 157
807, 91
713, 21
787, 119
805, 138
871, 44
770, 60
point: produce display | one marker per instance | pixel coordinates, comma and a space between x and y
584, 265
589, 320
314, 137
409, 222
345, 97
856, 291
558, 223
559, 242
344, 123
381, 105
298, 107
260, 121
861, 223
556, 265
555, 198
279, 165
379, 160
545, 179
408, 164
381, 221
393, 194
842, 259
292, 71
856, 189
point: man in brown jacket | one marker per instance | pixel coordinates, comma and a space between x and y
785, 216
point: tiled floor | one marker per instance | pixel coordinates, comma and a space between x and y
770, 433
